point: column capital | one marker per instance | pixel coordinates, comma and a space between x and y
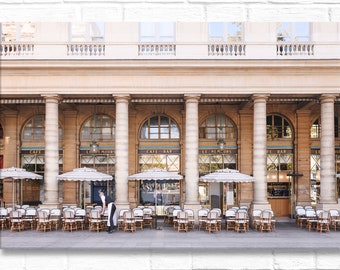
257, 97
192, 97
327, 98
51, 97
121, 97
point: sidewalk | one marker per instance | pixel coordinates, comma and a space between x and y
286, 236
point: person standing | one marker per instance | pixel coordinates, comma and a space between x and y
111, 209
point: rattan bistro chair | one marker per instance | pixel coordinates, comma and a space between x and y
43, 222
241, 221
182, 221
95, 220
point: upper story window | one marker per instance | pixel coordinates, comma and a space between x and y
14, 32
278, 127
293, 32
159, 127
98, 128
87, 32
218, 126
315, 130
1, 132
34, 129
225, 31
157, 32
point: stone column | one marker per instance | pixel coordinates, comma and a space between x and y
191, 152
327, 159
260, 152
51, 152
122, 150
10, 155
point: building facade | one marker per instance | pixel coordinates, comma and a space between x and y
187, 97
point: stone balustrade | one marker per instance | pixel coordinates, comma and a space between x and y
86, 49
227, 49
293, 49
16, 49
156, 49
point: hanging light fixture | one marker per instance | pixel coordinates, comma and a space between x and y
221, 141
94, 146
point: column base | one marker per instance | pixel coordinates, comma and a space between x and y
327, 206
260, 206
120, 206
50, 205
195, 208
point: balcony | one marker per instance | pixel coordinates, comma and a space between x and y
193, 51
291, 49
8, 49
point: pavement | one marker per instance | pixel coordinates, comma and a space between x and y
286, 236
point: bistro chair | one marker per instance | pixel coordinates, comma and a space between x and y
16, 220
129, 221
147, 217
230, 219
80, 217
191, 218
120, 221
256, 219
43, 222
139, 217
174, 218
202, 218
241, 221
265, 221
335, 218
323, 222
182, 221
3, 218
69, 221
55, 218
312, 219
211, 223
95, 220
300, 216
30, 218
219, 217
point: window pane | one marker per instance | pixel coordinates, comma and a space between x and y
234, 32
166, 32
174, 131
97, 31
215, 31
301, 32
78, 31
147, 32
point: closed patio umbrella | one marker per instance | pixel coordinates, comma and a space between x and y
17, 173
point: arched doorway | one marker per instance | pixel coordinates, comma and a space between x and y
159, 147
217, 150
98, 129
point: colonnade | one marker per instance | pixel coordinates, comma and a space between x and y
327, 183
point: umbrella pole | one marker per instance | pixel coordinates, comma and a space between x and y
13, 193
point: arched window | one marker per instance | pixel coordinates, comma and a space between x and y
98, 128
34, 129
217, 126
159, 127
278, 127
315, 130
